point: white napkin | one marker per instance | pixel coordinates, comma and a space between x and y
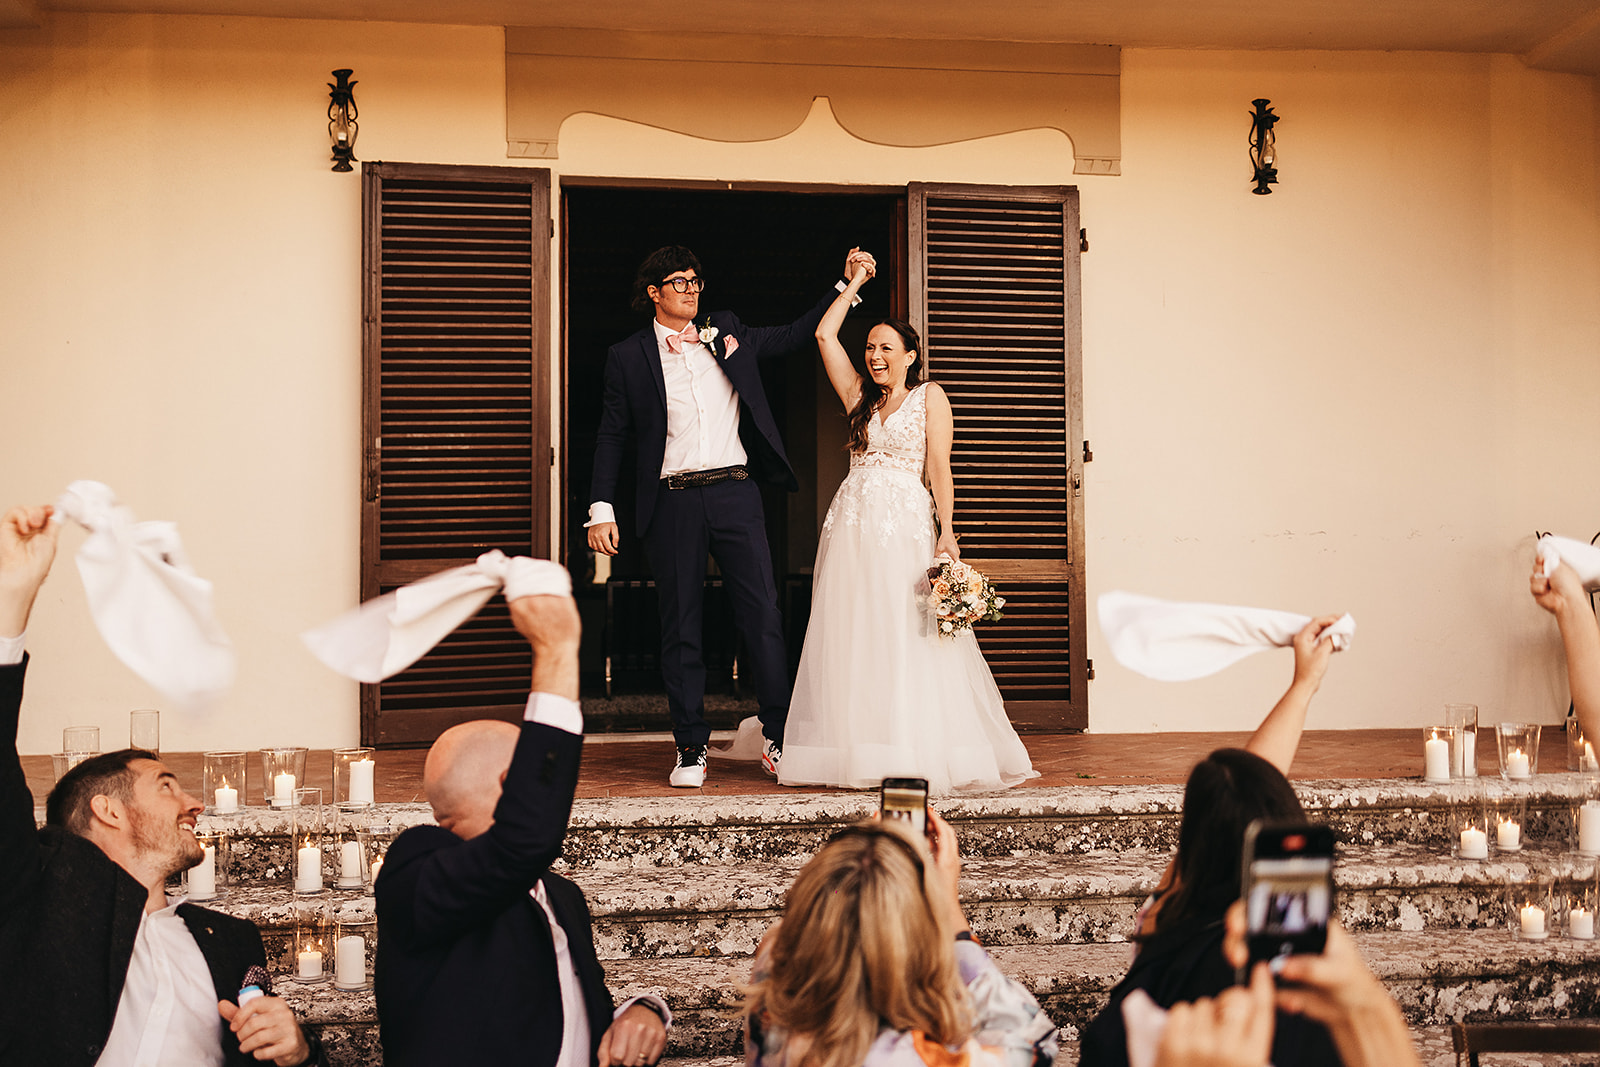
1552, 551
1172, 641
154, 612
389, 633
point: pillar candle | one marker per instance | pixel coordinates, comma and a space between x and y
1533, 921
350, 962
1589, 762
1436, 759
350, 863
227, 800
361, 781
1589, 827
1469, 753
283, 790
1509, 836
203, 876
310, 961
1516, 764
1581, 922
308, 870
1474, 844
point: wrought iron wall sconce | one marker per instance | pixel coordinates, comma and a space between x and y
342, 126
1263, 147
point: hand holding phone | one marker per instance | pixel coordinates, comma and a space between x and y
1288, 891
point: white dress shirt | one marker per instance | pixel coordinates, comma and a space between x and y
168, 1010
702, 416
11, 649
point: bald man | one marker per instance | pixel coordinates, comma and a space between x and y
484, 955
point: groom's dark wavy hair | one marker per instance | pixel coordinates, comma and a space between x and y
656, 266
871, 393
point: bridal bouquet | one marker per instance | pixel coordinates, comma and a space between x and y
958, 596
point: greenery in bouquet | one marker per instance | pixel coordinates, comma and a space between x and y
958, 596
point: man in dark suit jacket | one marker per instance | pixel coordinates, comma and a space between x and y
97, 966
692, 397
484, 955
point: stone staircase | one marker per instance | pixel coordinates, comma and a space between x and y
682, 888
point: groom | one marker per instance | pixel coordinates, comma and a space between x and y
692, 396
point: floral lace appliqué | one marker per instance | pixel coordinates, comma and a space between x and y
888, 474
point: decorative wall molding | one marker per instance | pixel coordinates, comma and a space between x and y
737, 87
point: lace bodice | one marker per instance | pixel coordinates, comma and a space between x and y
899, 442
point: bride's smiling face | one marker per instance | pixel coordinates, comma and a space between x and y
887, 356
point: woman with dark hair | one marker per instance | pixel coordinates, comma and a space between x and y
1179, 932
879, 693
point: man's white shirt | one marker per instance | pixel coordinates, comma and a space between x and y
168, 1010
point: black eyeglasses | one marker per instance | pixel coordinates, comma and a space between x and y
683, 285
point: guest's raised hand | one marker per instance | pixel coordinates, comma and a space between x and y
27, 548
1558, 593
1313, 647
946, 852
638, 1036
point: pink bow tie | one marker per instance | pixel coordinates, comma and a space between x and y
676, 341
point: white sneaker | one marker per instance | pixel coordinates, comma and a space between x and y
771, 758
690, 770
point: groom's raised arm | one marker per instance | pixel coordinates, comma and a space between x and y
801, 333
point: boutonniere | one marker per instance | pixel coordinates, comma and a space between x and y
708, 337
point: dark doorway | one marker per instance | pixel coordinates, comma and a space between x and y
768, 257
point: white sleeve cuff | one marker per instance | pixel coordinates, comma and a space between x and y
660, 1005
599, 512
11, 649
842, 285
548, 709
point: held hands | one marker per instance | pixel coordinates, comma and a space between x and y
637, 1036
267, 1029
27, 548
859, 266
604, 537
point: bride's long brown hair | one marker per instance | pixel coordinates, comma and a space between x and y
872, 394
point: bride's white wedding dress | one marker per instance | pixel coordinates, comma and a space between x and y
878, 694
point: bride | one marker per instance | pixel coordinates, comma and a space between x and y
878, 693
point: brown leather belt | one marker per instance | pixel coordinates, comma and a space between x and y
696, 479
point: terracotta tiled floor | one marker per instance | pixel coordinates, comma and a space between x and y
635, 768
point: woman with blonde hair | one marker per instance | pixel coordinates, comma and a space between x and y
873, 965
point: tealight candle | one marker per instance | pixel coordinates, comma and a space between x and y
310, 963
1580, 921
1533, 921
350, 864
1589, 827
226, 801
203, 876
283, 786
1436, 759
377, 865
1474, 844
350, 962
361, 781
308, 870
1516, 764
1509, 836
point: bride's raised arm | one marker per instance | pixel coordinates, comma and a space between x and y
841, 372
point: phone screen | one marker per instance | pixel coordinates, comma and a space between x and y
1288, 890
906, 798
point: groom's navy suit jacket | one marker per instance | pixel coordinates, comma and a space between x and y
636, 398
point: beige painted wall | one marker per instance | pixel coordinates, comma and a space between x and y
1357, 393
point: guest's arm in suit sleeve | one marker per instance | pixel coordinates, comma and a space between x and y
446, 886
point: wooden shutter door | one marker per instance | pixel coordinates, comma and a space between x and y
455, 419
994, 288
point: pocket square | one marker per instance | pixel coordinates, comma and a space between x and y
728, 346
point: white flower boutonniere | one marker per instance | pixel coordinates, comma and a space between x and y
708, 335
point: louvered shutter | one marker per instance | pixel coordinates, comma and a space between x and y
995, 289
455, 418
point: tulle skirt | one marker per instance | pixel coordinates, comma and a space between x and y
878, 693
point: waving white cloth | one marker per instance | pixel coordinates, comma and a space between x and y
1552, 551
152, 609
1172, 641
389, 633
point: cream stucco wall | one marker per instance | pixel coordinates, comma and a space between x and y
1360, 393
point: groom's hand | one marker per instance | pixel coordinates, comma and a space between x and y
604, 538
857, 259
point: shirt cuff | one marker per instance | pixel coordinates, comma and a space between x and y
842, 285
649, 1000
11, 649
548, 709
599, 512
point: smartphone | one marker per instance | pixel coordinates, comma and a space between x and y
1288, 891
906, 798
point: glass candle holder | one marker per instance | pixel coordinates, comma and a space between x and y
353, 776
313, 962
1533, 912
282, 772
351, 866
80, 741
1463, 719
375, 837
1519, 749
306, 830
1580, 750
222, 784
1470, 832
62, 762
355, 940
208, 879
1437, 741
1508, 817
144, 729
1586, 814
1580, 896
